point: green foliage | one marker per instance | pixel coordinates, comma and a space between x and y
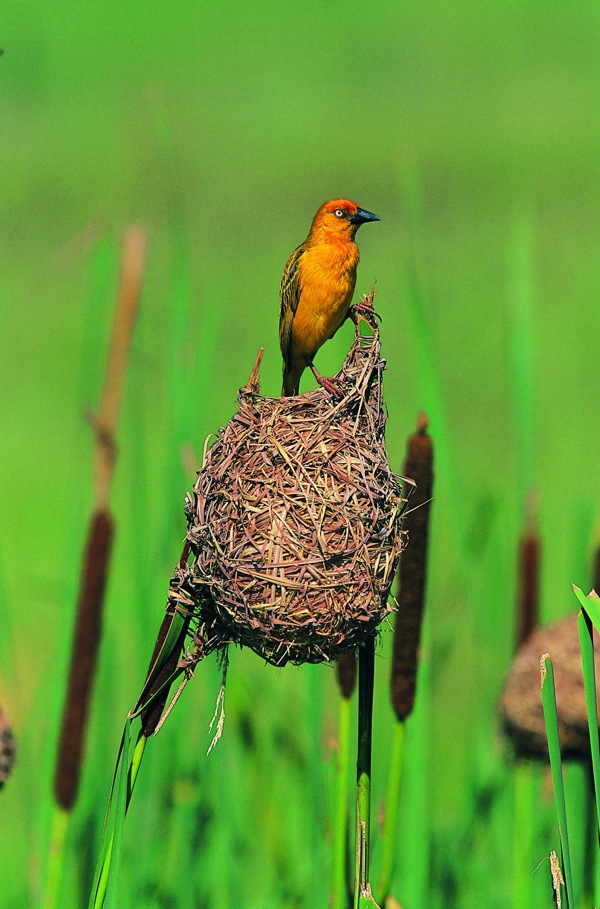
472, 130
551, 720
589, 617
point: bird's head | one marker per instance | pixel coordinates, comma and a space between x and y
341, 217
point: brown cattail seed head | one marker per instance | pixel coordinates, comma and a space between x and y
346, 673
8, 748
412, 574
529, 580
86, 641
528, 595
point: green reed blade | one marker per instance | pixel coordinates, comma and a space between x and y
108, 868
590, 604
116, 856
366, 901
103, 864
551, 721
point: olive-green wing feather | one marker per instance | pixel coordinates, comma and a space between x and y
289, 295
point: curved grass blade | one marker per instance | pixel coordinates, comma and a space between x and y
367, 901
107, 841
551, 721
116, 842
168, 639
590, 605
108, 869
164, 668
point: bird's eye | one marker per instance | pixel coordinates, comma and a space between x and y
340, 213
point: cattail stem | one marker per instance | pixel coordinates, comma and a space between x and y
525, 804
366, 672
391, 812
407, 632
346, 677
58, 836
88, 623
525, 778
341, 891
105, 421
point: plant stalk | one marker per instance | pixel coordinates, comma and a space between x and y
340, 893
391, 812
366, 670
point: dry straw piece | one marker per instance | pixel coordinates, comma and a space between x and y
294, 524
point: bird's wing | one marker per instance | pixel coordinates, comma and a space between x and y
289, 295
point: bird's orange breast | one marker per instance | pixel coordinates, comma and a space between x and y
327, 281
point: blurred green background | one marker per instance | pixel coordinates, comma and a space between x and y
473, 131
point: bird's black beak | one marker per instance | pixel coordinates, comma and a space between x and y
361, 216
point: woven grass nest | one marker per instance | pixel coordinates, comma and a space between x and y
294, 523
520, 704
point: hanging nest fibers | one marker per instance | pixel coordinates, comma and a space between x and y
294, 524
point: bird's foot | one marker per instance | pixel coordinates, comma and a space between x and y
363, 310
331, 383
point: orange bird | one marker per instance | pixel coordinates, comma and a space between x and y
317, 287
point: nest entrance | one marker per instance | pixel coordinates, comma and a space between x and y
294, 523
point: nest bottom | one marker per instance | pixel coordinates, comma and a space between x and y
276, 636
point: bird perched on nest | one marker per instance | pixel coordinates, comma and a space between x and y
317, 287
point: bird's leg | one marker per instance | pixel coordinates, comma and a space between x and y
329, 383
